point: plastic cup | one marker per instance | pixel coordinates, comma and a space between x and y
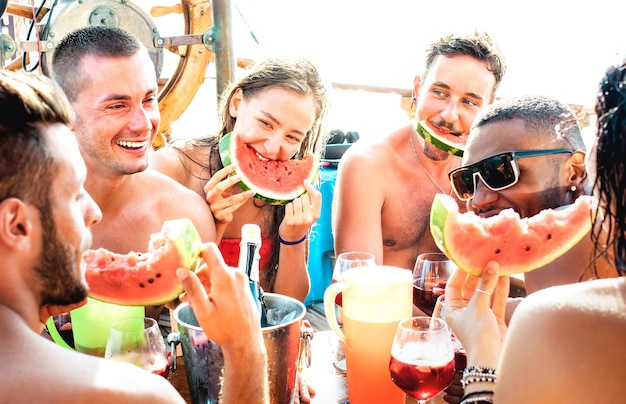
91, 324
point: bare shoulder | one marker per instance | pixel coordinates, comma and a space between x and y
578, 327
372, 156
167, 161
58, 375
179, 161
173, 200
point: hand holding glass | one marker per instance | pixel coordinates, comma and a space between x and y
430, 275
140, 343
422, 357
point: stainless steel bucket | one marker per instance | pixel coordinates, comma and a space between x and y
204, 363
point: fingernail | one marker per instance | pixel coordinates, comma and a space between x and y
182, 274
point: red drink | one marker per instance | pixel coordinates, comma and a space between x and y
460, 356
339, 297
426, 297
421, 382
161, 371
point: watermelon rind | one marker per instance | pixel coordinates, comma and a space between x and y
145, 279
184, 234
439, 142
227, 147
517, 244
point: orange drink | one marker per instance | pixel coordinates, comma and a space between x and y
375, 299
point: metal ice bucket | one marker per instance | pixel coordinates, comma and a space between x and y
204, 362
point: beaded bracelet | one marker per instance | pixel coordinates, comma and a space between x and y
280, 239
478, 400
479, 397
476, 374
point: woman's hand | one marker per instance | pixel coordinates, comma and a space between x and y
475, 311
301, 213
220, 196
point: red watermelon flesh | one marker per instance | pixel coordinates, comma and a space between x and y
144, 279
275, 182
517, 244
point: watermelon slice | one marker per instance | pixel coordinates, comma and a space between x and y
144, 279
275, 182
429, 133
518, 245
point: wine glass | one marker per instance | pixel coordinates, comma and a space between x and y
422, 357
343, 262
460, 355
430, 275
138, 341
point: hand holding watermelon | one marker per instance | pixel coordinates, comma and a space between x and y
144, 279
301, 213
221, 198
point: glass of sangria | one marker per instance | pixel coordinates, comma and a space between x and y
430, 275
138, 341
422, 357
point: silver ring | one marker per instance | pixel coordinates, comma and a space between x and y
483, 292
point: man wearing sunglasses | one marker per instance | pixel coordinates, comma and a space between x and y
385, 188
527, 153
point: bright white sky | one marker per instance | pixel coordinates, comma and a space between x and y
554, 49
550, 48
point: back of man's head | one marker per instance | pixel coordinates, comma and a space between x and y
98, 41
30, 103
547, 119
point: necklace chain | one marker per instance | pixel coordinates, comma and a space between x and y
422, 165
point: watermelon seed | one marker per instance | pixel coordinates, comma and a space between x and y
549, 236
497, 251
142, 285
158, 275
527, 248
150, 280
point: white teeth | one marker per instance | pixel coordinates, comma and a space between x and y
132, 145
261, 157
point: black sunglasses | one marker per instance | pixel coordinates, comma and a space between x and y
497, 172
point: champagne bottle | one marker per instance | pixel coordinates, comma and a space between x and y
249, 257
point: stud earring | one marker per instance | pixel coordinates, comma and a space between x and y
413, 101
573, 188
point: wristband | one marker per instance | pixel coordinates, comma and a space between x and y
280, 239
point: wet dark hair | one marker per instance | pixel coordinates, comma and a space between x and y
476, 44
610, 183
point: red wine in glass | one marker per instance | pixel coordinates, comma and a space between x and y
422, 357
425, 296
421, 382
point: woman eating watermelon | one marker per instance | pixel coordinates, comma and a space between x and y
271, 121
565, 343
